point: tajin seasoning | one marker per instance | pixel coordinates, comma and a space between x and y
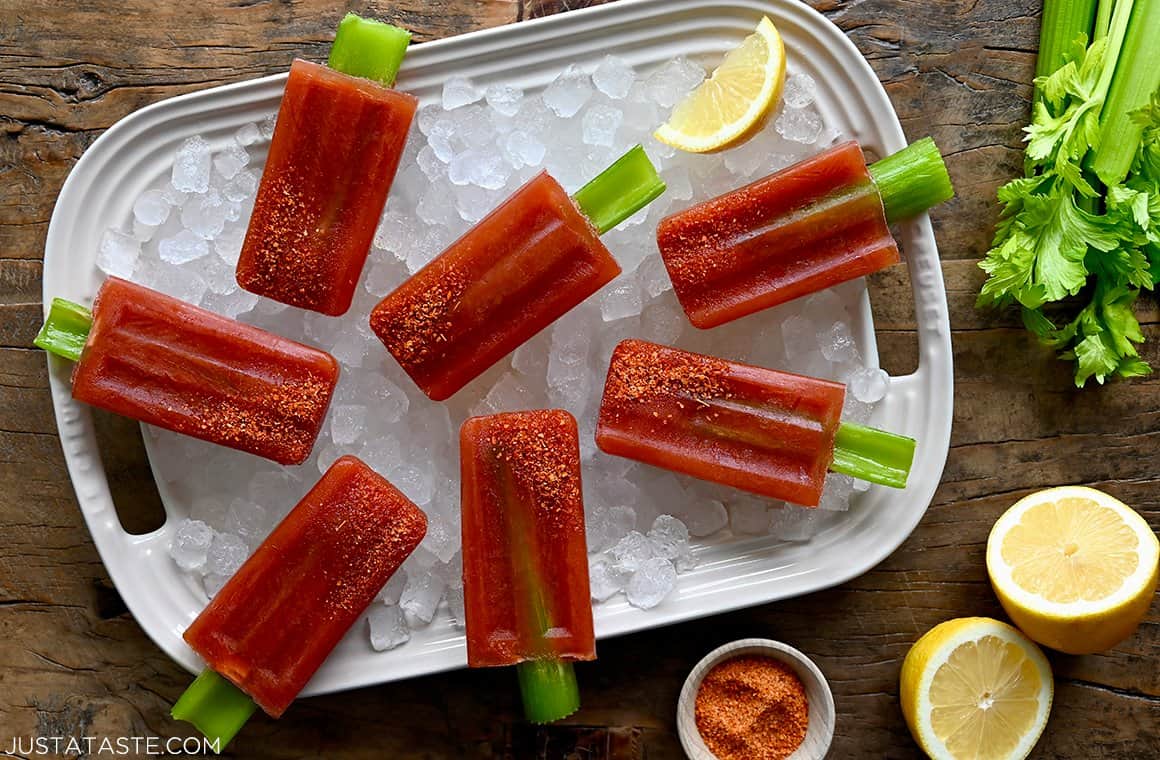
752, 708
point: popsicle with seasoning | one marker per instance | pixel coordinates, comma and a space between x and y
337, 143
525, 559
277, 619
529, 261
146, 355
761, 430
822, 221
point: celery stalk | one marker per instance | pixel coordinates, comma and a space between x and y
912, 180
65, 329
874, 455
548, 689
618, 192
217, 707
1136, 79
1103, 20
1063, 21
368, 49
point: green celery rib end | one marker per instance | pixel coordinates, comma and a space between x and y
216, 707
65, 330
369, 49
549, 690
874, 455
618, 192
912, 180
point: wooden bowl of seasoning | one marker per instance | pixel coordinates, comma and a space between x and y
756, 699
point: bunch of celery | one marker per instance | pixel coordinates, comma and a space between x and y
1082, 227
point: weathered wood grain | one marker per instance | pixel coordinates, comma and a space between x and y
73, 661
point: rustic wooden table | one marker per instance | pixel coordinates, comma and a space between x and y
74, 662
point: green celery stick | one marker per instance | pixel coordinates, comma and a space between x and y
873, 455
368, 49
618, 192
912, 180
216, 707
65, 330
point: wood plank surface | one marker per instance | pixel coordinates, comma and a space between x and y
74, 662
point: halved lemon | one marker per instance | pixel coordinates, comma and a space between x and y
738, 94
1074, 567
975, 689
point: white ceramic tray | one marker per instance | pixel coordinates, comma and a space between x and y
134, 153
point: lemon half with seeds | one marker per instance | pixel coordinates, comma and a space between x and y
975, 689
729, 103
1074, 567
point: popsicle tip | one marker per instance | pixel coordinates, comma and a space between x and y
369, 49
216, 707
618, 192
912, 180
65, 329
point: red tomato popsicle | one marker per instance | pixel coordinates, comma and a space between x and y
146, 355
529, 261
336, 147
810, 226
769, 432
525, 559
276, 620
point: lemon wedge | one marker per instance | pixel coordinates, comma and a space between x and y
975, 689
1074, 568
729, 103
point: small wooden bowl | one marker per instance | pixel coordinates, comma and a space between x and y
820, 732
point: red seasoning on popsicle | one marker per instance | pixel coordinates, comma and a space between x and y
146, 355
277, 619
336, 147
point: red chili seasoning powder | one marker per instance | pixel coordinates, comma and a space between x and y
752, 708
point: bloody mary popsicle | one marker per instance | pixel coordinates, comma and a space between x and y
525, 560
768, 432
533, 258
145, 355
277, 619
336, 146
812, 225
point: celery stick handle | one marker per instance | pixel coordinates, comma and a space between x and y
65, 329
912, 180
874, 455
549, 690
618, 192
216, 707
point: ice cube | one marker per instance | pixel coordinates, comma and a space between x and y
231, 160
182, 248
509, 394
802, 125
228, 245
523, 148
416, 482
482, 168
242, 187
531, 360
654, 580
213, 583
456, 607
568, 93
191, 166
600, 123
247, 134
505, 99
630, 551
388, 627
799, 90
705, 518
432, 167
118, 253
266, 127
205, 215
669, 537
663, 323
614, 77
654, 277
347, 422
459, 92
422, 593
837, 343
381, 453
799, 336
226, 554
836, 492
621, 299
673, 81
605, 580
794, 523
869, 385
190, 544
747, 515
151, 208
